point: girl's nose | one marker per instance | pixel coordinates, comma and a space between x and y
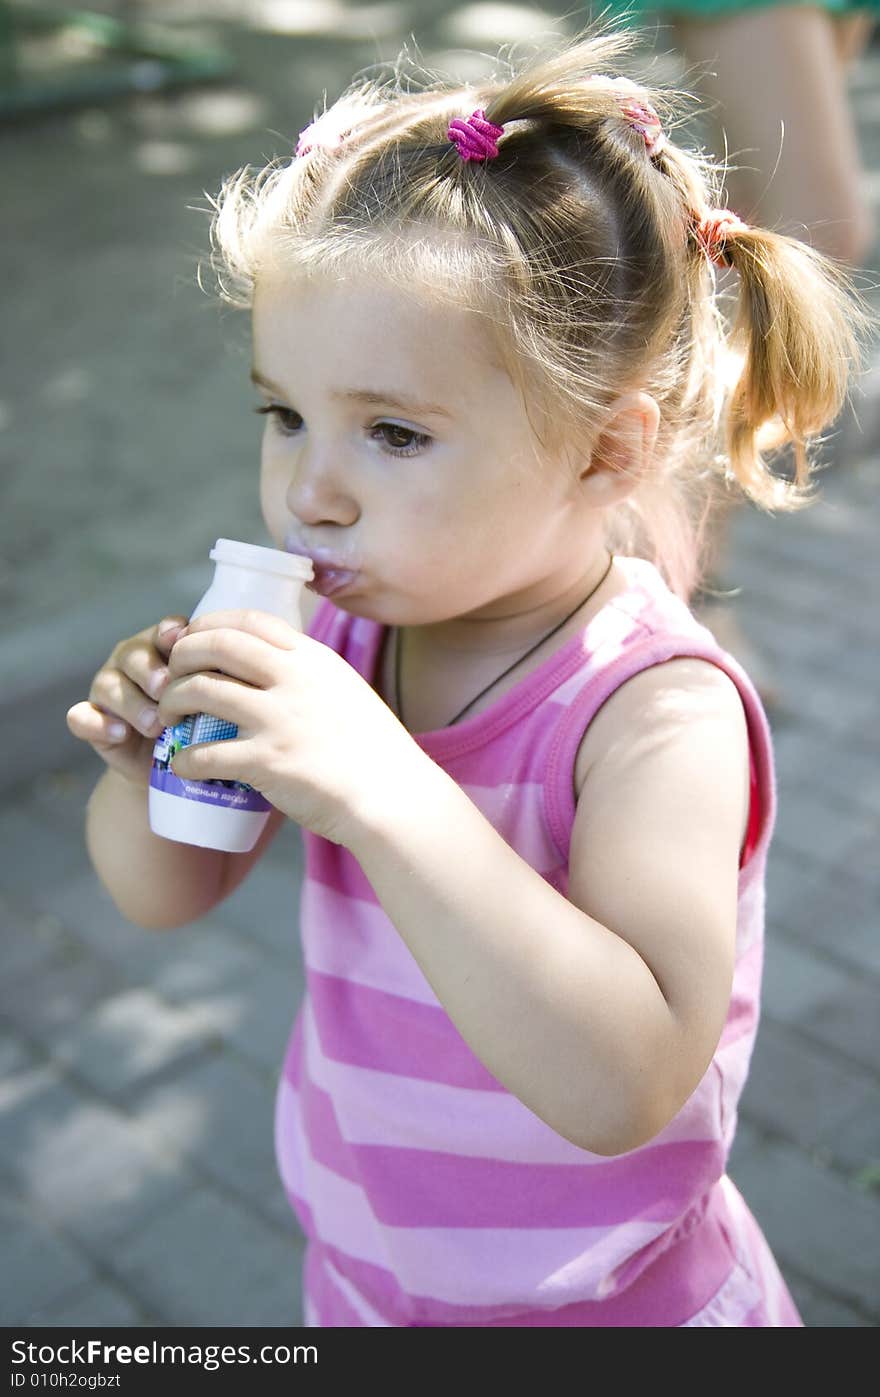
317, 493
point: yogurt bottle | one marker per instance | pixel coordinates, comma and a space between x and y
227, 815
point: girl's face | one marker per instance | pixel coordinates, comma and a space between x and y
398, 454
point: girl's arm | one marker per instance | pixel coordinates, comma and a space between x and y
158, 883
600, 1011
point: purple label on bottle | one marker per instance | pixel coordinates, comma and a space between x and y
234, 795
200, 727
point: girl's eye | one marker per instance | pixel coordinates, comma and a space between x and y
286, 420
399, 441
412, 443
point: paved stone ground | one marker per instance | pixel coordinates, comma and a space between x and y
137, 1069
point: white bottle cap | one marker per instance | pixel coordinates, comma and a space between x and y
251, 555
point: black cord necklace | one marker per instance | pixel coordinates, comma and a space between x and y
530, 651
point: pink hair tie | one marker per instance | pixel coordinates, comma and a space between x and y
476, 137
644, 119
324, 133
713, 230
641, 116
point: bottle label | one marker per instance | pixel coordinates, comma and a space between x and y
200, 727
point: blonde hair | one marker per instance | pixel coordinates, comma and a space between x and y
580, 248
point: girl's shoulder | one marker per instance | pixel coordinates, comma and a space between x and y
670, 698
662, 703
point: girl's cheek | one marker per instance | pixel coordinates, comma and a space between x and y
272, 487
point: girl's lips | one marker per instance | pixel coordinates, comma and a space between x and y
331, 576
328, 581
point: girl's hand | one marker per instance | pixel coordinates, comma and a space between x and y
313, 737
120, 718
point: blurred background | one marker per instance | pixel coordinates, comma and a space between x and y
137, 1069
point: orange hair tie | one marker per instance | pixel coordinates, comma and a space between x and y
713, 230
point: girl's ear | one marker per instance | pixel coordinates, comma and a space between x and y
624, 450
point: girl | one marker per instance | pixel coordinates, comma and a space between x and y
537, 794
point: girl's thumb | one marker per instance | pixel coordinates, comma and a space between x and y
171, 623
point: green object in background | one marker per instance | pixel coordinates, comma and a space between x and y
57, 58
630, 13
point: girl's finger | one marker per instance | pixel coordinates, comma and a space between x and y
167, 632
274, 630
216, 694
93, 725
235, 653
145, 666
114, 693
145, 659
213, 761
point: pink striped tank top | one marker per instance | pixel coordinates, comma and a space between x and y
430, 1195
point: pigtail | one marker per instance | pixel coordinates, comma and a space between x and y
797, 333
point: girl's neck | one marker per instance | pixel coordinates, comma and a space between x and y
511, 627
473, 669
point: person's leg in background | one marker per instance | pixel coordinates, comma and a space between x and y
775, 81
777, 67
851, 34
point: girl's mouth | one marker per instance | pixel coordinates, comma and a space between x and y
331, 576
329, 581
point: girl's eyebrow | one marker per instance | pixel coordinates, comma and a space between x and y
368, 395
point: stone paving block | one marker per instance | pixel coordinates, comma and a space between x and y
817, 830
839, 512
827, 705
797, 1089
95, 1304
33, 851
848, 1022
816, 1223
805, 758
189, 960
39, 1266
838, 556
839, 917
14, 1056
218, 1114
861, 863
863, 740
796, 980
789, 878
265, 908
205, 960
46, 1004
267, 1006
819, 1310
854, 1141
85, 908
783, 644
829, 1005
60, 796
28, 939
853, 664
269, 1198
80, 1163
782, 598
209, 1261
133, 1035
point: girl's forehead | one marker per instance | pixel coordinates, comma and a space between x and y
344, 320
357, 295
